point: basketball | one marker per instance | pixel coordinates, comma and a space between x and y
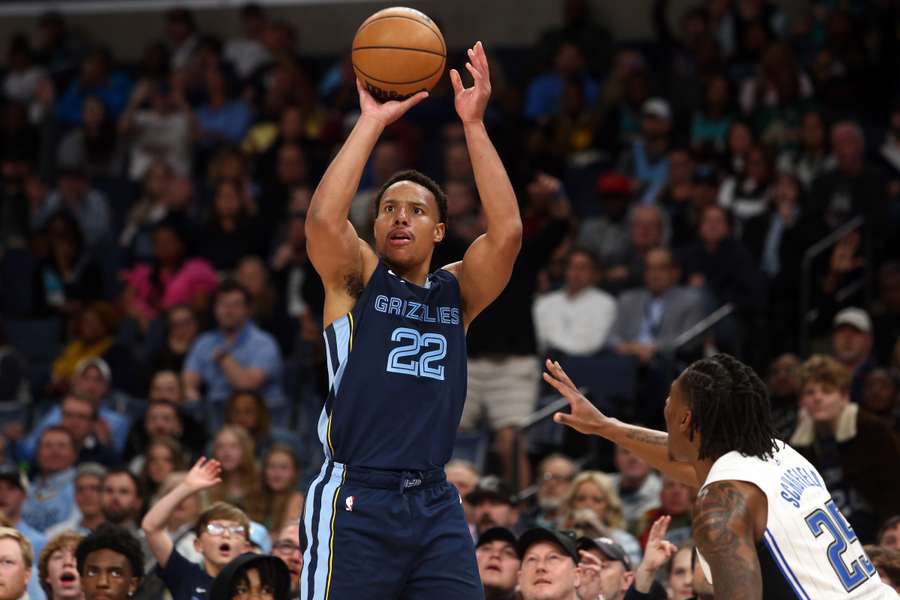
398, 52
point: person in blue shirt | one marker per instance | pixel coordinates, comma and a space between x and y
13, 489
51, 496
237, 355
94, 79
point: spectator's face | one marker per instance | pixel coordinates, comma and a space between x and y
107, 574
221, 549
824, 403
492, 512
245, 412
592, 496
182, 328
548, 573
713, 226
252, 275
11, 499
160, 463
569, 60
93, 112
646, 228
554, 483
847, 146
757, 167
162, 420
300, 199
786, 193
498, 565
14, 575
740, 139
659, 272
812, 132
580, 272
157, 181
91, 384
456, 163
55, 452
460, 199
87, 495
889, 288
167, 246
231, 310
73, 187
654, 128
850, 345
177, 30
681, 167
879, 391
630, 466
78, 418
279, 472
891, 538
387, 159
62, 575
292, 124
407, 225
252, 586
119, 499
291, 165
612, 582
784, 376
91, 327
717, 93
675, 497
228, 451
681, 577
166, 385
287, 548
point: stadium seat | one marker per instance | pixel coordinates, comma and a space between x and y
39, 341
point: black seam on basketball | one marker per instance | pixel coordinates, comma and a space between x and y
432, 52
437, 32
366, 75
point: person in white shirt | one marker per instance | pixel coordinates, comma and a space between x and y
577, 319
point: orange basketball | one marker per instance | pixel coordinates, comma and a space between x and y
397, 52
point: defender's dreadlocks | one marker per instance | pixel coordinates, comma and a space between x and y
730, 408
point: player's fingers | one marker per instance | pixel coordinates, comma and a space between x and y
669, 548
413, 100
482, 58
456, 81
562, 375
474, 72
562, 419
556, 383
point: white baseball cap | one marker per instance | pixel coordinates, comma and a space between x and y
657, 107
854, 317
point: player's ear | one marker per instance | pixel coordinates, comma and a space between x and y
440, 230
685, 424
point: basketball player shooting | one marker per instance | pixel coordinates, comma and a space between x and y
764, 522
381, 520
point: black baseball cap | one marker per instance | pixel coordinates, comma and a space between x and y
13, 475
495, 534
607, 547
492, 488
564, 540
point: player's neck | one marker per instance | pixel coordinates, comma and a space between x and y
702, 469
417, 274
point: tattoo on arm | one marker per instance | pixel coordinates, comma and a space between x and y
656, 438
723, 530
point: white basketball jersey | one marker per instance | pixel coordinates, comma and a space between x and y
809, 550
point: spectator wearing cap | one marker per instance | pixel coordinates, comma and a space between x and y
13, 491
637, 484
606, 570
549, 565
606, 235
236, 355
88, 205
88, 487
856, 453
851, 345
498, 563
647, 161
51, 496
18, 558
81, 419
494, 504
575, 320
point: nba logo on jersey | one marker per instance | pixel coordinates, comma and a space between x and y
348, 503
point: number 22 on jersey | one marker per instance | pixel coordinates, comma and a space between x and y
418, 354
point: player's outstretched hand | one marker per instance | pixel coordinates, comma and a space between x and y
203, 475
471, 102
584, 417
385, 112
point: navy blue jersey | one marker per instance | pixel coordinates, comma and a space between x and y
397, 370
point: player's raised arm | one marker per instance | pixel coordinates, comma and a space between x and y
649, 444
487, 264
335, 250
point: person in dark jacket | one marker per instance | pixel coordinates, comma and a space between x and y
263, 577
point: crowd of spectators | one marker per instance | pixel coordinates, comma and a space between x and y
157, 303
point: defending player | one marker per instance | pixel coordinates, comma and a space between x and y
764, 522
381, 520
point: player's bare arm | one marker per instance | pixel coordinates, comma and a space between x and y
342, 259
487, 265
724, 527
584, 417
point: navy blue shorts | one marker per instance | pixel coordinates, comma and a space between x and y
385, 535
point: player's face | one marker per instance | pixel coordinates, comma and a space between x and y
62, 575
678, 419
407, 225
824, 403
498, 565
547, 573
107, 575
682, 576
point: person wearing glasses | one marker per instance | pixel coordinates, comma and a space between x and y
287, 549
110, 563
222, 532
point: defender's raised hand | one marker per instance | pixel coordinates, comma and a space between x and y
385, 112
584, 416
471, 102
203, 475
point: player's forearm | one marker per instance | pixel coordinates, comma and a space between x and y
331, 201
501, 210
651, 445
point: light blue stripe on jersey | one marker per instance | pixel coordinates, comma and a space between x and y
326, 514
307, 525
783, 565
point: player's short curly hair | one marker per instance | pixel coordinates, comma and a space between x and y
420, 178
115, 538
730, 408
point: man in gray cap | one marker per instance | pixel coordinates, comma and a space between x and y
606, 570
498, 563
494, 504
851, 345
549, 565
647, 160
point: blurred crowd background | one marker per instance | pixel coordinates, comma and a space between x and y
730, 183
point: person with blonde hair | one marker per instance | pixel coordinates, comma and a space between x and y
58, 569
16, 558
594, 491
241, 481
283, 503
